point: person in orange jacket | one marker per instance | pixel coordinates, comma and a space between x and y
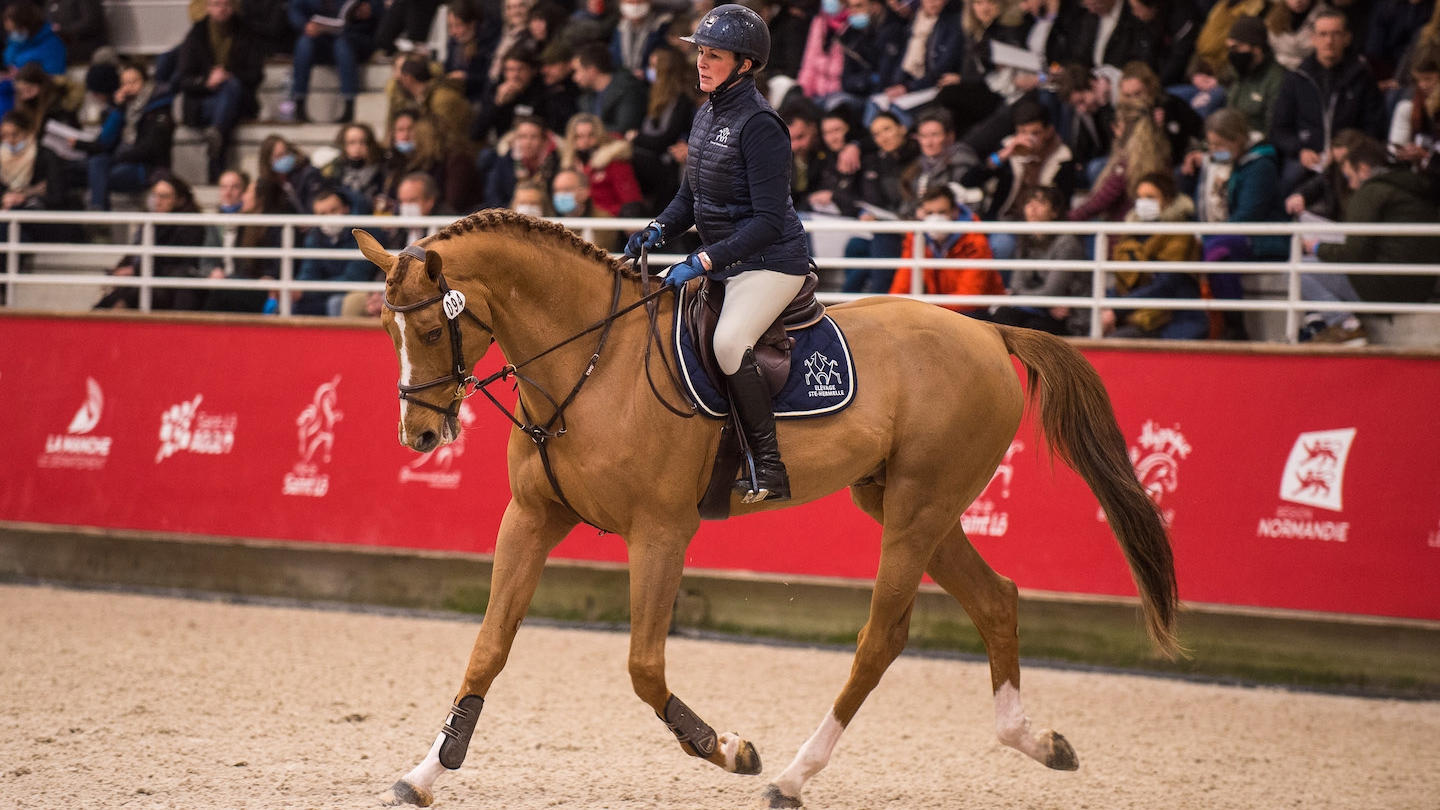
940, 205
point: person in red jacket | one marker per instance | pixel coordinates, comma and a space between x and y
588, 147
940, 205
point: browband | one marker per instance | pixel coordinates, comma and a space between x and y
414, 252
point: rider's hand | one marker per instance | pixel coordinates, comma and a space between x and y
648, 239
684, 271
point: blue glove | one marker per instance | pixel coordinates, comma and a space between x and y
648, 239
684, 271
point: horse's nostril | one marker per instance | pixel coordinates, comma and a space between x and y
427, 441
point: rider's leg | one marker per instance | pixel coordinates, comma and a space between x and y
753, 300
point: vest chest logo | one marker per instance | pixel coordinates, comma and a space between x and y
722, 138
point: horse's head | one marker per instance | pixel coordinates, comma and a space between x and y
438, 333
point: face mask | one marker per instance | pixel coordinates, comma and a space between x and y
564, 202
332, 231
634, 11
283, 164
355, 163
233, 208
831, 7
532, 210
16, 148
1242, 62
1221, 156
583, 155
650, 75
410, 210
1147, 210
937, 236
404, 147
860, 21
16, 36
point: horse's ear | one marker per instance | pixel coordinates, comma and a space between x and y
373, 250
432, 264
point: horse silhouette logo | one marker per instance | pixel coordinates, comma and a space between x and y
89, 414
1315, 471
722, 138
317, 422
821, 370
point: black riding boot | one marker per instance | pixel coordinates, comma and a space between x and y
750, 397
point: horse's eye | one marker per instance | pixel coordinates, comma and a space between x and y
433, 335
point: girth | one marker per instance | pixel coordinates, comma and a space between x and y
772, 350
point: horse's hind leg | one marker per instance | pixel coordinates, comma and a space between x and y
993, 604
527, 534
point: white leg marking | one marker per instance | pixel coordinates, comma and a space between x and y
730, 746
1013, 727
811, 758
405, 371
424, 775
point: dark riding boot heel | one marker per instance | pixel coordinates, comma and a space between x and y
750, 397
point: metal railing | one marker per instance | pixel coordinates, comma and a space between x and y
1097, 266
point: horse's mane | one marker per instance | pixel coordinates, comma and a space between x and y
503, 219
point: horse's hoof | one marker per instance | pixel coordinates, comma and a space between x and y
773, 799
403, 792
747, 760
1062, 754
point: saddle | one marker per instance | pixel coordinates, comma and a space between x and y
772, 354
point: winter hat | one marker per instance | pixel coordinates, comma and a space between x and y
1250, 31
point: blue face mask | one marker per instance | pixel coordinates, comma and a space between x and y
650, 75
1222, 156
565, 202
16, 36
404, 147
233, 208
860, 21
17, 147
283, 164
831, 7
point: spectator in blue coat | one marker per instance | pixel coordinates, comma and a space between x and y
347, 46
873, 42
933, 49
29, 40
330, 203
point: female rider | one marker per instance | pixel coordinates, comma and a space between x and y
736, 192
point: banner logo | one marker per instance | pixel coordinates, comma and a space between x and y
984, 517
1156, 457
185, 427
315, 428
76, 449
434, 468
1314, 477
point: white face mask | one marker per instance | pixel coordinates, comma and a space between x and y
410, 210
938, 236
634, 11
332, 231
532, 210
1147, 210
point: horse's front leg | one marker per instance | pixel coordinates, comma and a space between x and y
527, 534
657, 560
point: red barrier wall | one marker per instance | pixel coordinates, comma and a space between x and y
1291, 481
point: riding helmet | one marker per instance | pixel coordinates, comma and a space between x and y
733, 27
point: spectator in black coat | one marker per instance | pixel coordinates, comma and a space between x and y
81, 26
218, 69
614, 95
873, 42
519, 92
932, 51
134, 141
1174, 26
168, 195
467, 57
878, 186
1085, 120
528, 152
662, 144
559, 96
1129, 39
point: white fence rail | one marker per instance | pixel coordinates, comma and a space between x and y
1098, 266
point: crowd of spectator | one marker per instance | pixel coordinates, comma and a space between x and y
940, 110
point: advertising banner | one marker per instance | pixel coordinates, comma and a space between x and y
1302, 481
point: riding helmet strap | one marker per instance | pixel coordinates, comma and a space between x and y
689, 729
459, 727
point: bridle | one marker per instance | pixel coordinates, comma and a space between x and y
454, 303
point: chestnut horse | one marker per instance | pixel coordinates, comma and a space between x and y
937, 405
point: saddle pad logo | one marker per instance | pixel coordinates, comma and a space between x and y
822, 375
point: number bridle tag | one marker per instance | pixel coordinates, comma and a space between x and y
454, 303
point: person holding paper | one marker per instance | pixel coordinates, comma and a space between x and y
876, 195
134, 141
1032, 158
933, 51
338, 32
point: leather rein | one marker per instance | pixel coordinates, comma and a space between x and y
466, 384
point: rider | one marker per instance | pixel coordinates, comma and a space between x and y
736, 192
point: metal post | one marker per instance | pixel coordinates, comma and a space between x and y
1097, 283
1292, 291
287, 267
12, 261
147, 263
917, 273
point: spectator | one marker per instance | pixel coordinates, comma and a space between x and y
662, 144
833, 175
572, 199
440, 99
418, 196
1140, 150
605, 162
528, 152
1326, 194
239, 194
802, 120
1157, 200
230, 199
1393, 24
1258, 77
879, 188
218, 68
466, 57
1290, 26
30, 40
824, 58
986, 90
450, 166
133, 146
1210, 43
33, 178
1415, 127
521, 92
397, 156
932, 51
1046, 204
405, 27
789, 29
559, 97
347, 46
546, 24
283, 164
531, 199
637, 35
872, 44
1174, 26
941, 160
938, 205
616, 96
1034, 157
359, 168
1332, 90
1110, 34
1382, 194
45, 98
1181, 127
1085, 121
168, 195
329, 203
1055, 22
516, 16
81, 26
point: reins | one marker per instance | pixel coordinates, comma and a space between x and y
455, 305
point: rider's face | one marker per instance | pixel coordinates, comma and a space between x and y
714, 66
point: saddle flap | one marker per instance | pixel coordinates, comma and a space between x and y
772, 350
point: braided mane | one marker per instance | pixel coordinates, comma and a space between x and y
503, 219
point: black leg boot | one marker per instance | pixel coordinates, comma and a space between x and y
347, 113
750, 397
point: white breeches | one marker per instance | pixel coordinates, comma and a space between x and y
753, 300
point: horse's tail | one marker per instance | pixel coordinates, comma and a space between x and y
1079, 425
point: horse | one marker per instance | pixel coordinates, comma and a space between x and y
937, 405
